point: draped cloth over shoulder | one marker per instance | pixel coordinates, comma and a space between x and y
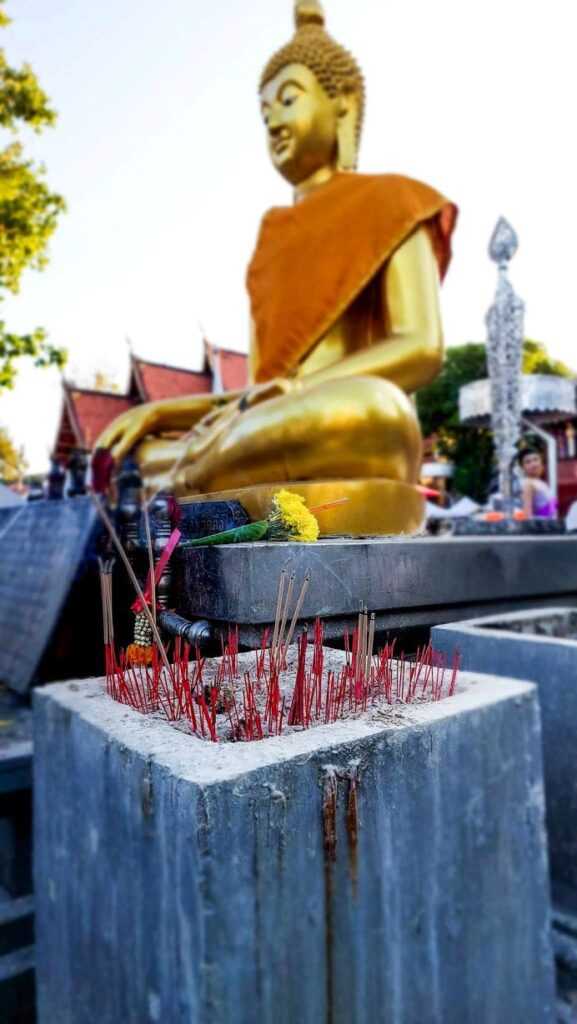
313, 259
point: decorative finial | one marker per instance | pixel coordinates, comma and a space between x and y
308, 12
504, 242
504, 360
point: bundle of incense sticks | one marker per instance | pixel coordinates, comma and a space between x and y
280, 643
105, 571
363, 645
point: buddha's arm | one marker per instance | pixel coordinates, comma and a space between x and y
178, 414
411, 353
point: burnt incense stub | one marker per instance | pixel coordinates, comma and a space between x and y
376, 868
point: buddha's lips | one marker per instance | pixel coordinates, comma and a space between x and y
281, 144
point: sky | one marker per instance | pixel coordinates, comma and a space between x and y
160, 153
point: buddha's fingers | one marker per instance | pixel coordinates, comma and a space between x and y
127, 430
128, 440
109, 435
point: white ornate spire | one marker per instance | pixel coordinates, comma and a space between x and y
504, 242
505, 323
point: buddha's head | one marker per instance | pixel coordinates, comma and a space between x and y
312, 101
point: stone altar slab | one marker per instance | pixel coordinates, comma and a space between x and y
406, 581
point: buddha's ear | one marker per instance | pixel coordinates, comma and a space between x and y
347, 132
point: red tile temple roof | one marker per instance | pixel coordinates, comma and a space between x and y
157, 380
233, 368
92, 411
86, 412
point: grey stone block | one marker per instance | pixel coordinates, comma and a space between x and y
42, 545
493, 644
238, 582
181, 881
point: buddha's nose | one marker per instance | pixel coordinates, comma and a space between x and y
275, 124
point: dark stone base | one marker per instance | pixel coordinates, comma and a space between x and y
565, 949
407, 582
509, 528
46, 553
201, 518
16, 901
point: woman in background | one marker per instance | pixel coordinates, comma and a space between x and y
538, 499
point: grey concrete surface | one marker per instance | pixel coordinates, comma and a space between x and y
552, 664
238, 582
180, 881
42, 546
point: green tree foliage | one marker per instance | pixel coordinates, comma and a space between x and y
12, 464
537, 360
470, 448
29, 211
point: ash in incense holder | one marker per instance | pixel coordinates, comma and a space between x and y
253, 696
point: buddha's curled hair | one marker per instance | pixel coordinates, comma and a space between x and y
335, 68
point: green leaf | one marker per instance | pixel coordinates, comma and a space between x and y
34, 345
241, 534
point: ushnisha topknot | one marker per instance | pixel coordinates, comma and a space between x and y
335, 68
309, 12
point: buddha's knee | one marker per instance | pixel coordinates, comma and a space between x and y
382, 401
383, 427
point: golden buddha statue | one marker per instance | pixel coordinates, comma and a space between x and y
345, 322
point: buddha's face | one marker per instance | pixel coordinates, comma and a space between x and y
301, 121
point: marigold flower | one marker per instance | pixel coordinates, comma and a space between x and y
291, 517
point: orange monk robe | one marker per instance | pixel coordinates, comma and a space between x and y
312, 260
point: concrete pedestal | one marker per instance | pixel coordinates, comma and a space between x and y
353, 874
531, 645
526, 644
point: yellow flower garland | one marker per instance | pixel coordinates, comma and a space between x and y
292, 515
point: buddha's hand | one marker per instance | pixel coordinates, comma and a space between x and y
127, 430
274, 388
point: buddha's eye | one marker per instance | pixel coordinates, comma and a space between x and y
288, 101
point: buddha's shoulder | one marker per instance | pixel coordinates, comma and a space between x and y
366, 189
389, 186
377, 205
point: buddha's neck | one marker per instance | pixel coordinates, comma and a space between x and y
320, 177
